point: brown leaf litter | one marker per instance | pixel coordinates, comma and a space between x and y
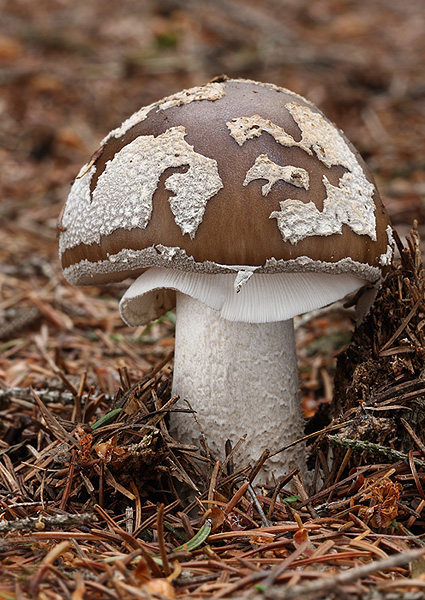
99, 501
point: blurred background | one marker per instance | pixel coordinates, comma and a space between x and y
71, 70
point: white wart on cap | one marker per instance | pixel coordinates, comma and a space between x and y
226, 180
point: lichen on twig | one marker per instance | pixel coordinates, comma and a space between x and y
372, 448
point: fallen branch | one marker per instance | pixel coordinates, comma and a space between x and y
41, 523
365, 446
46, 396
349, 576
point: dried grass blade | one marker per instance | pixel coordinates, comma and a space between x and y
161, 540
47, 561
53, 424
271, 578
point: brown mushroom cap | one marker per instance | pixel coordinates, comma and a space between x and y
232, 173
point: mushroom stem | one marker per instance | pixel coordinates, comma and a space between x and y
240, 378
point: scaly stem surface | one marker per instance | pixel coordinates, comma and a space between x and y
240, 378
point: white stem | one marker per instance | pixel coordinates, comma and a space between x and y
240, 378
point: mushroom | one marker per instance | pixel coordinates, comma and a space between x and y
239, 203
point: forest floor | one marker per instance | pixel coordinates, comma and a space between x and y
89, 507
